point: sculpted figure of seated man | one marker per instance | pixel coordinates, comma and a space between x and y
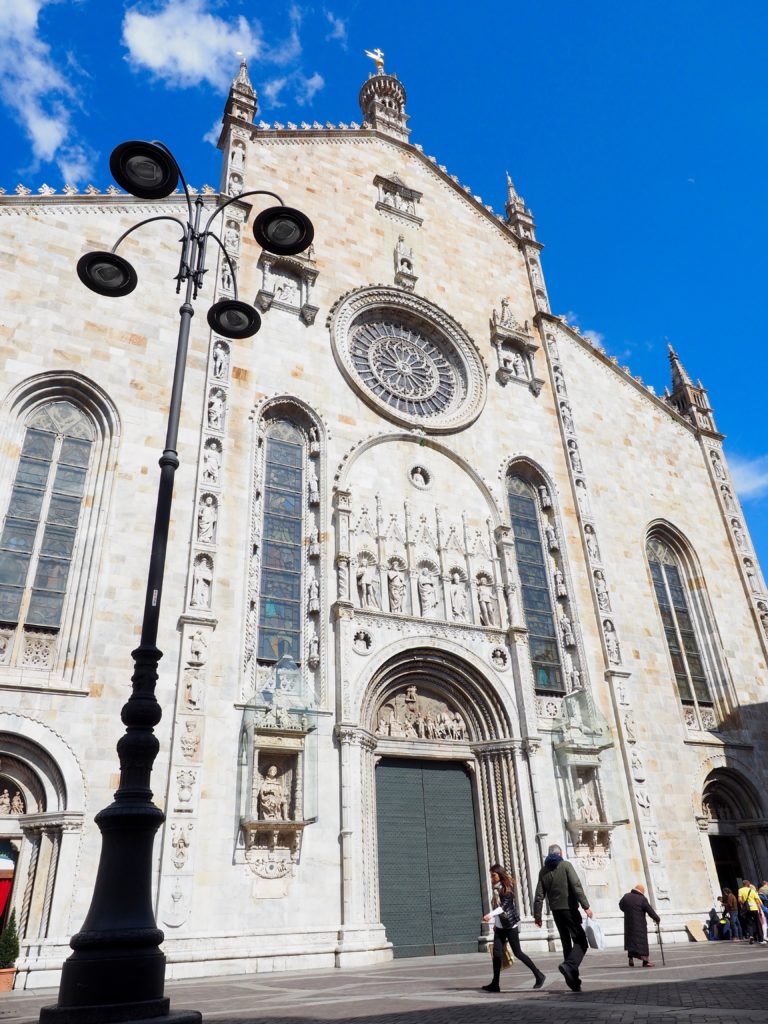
273, 799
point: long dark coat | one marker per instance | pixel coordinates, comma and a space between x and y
635, 906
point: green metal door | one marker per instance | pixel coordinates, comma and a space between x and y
429, 879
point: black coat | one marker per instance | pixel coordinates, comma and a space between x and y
635, 906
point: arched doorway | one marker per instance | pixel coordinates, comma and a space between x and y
446, 803
733, 816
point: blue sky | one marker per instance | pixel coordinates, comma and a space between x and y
634, 131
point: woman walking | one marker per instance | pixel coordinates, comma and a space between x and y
635, 906
506, 920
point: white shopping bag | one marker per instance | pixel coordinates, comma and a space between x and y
595, 936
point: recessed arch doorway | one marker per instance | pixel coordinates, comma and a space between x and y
445, 795
735, 826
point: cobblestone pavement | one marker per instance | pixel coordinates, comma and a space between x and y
713, 983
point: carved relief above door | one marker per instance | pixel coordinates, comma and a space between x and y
412, 715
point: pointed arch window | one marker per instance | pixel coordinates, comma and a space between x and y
280, 583
41, 525
680, 630
532, 566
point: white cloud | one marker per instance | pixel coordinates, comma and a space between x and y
750, 476
290, 50
338, 29
213, 133
37, 92
307, 87
269, 93
182, 44
595, 337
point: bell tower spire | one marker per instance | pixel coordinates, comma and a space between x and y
382, 100
689, 399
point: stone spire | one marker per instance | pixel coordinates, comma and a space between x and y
689, 399
382, 101
241, 102
519, 217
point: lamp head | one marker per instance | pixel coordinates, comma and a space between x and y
106, 273
144, 169
283, 231
233, 319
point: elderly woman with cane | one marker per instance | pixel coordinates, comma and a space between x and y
635, 907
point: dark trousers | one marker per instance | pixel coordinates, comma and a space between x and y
575, 945
752, 926
510, 935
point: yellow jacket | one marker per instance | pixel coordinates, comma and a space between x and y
748, 897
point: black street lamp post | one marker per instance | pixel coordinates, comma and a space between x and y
117, 970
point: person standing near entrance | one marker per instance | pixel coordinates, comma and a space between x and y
749, 902
634, 906
560, 884
731, 905
506, 920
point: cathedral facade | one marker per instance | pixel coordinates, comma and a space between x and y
445, 583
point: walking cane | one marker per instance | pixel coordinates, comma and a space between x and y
661, 945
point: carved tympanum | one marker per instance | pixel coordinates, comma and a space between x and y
409, 714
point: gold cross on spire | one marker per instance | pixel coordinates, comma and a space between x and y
377, 56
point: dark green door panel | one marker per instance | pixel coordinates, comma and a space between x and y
429, 882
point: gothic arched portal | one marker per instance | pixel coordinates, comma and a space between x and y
441, 779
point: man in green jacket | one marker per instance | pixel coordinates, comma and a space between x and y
559, 882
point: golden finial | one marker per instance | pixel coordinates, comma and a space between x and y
377, 56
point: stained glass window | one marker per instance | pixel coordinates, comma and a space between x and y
40, 528
280, 588
687, 664
534, 582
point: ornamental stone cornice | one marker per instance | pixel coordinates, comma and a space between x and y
75, 205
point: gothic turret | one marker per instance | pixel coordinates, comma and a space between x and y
519, 217
241, 102
689, 399
382, 101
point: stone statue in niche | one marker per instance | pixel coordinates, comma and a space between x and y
368, 586
237, 157
232, 236
286, 289
362, 641
717, 466
738, 534
403, 256
551, 534
581, 497
544, 498
638, 768
190, 739
601, 590
235, 185
565, 410
192, 687
220, 360
226, 276
206, 519
611, 643
652, 842
314, 542
216, 410
566, 630
749, 569
575, 678
17, 803
272, 800
518, 366
591, 542
396, 589
762, 609
559, 581
313, 596
314, 442
629, 727
419, 476
573, 454
458, 598
202, 578
198, 648
728, 498
312, 486
211, 462
559, 381
485, 600
427, 594
313, 658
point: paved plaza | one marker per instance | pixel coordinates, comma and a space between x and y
716, 983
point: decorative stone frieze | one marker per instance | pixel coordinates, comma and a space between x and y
287, 284
396, 199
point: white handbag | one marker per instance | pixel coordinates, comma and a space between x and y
594, 931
